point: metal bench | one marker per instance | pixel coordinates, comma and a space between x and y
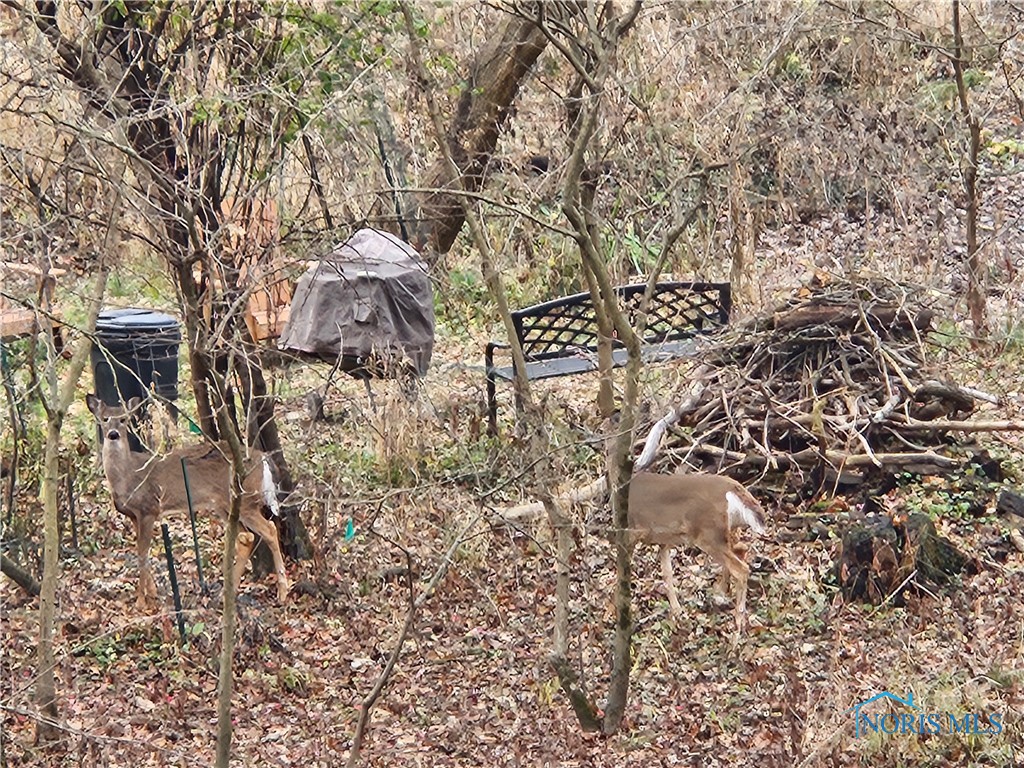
559, 337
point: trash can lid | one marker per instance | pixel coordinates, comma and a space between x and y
134, 318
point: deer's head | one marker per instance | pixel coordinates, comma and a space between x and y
113, 419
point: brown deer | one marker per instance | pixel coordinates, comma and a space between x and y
145, 488
702, 510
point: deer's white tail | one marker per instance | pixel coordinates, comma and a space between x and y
744, 512
270, 489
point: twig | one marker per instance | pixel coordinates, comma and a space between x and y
883, 413
414, 605
958, 426
893, 593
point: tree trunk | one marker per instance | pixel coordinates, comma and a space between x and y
192, 313
56, 403
393, 161
225, 677
975, 266
102, 62
605, 362
483, 108
576, 210
266, 437
538, 449
46, 688
620, 469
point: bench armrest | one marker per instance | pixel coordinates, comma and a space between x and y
492, 403
489, 353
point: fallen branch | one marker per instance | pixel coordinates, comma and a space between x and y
838, 459
662, 425
654, 438
19, 576
840, 316
959, 426
536, 509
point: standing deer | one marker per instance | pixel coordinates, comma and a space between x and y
145, 488
702, 510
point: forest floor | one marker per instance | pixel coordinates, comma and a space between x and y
386, 492
473, 686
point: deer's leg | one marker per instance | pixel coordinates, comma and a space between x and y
145, 594
140, 587
714, 544
720, 592
670, 581
740, 571
267, 531
244, 545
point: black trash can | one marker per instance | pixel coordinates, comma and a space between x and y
135, 353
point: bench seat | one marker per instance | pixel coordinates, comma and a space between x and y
586, 361
560, 337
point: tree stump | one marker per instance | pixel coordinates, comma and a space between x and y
879, 559
1010, 503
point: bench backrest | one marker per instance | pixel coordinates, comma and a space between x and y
563, 327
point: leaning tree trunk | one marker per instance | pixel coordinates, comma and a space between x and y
19, 576
491, 87
266, 437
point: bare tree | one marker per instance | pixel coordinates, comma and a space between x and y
589, 41
69, 204
56, 397
494, 78
54, 387
974, 264
206, 115
212, 114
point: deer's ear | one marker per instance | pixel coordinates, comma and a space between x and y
133, 403
93, 403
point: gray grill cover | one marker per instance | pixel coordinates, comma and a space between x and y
369, 301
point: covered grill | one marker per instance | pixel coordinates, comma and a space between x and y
368, 303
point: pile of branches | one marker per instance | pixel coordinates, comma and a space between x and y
835, 379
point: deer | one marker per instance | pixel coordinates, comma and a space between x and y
145, 488
697, 509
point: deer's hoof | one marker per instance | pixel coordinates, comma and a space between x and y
719, 600
144, 605
753, 623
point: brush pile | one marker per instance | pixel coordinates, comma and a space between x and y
834, 380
